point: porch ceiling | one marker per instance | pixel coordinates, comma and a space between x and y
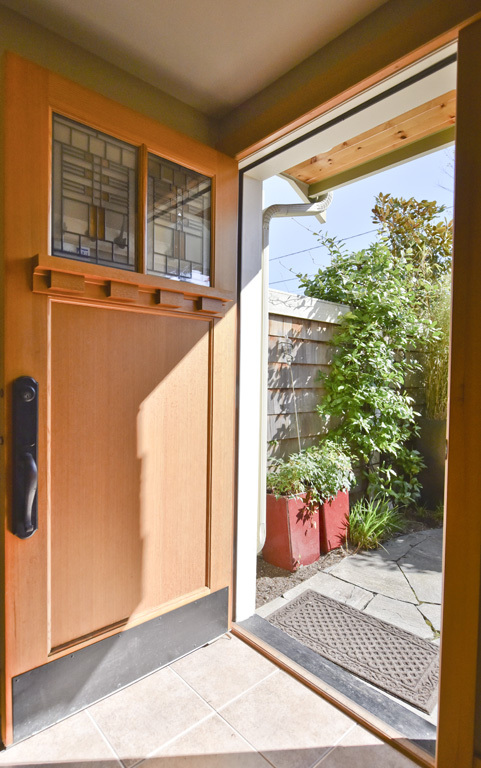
424, 127
212, 55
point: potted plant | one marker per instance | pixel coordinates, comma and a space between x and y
307, 505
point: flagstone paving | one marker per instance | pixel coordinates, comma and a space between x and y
400, 583
432, 613
371, 571
405, 615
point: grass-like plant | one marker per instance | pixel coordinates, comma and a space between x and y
436, 351
372, 521
422, 513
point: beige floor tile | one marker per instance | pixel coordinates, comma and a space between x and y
73, 743
140, 719
286, 722
212, 744
361, 749
223, 670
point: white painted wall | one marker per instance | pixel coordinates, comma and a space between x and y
250, 399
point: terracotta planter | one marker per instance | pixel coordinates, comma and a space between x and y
333, 522
292, 532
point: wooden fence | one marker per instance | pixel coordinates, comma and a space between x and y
300, 330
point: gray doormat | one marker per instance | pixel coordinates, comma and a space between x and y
390, 658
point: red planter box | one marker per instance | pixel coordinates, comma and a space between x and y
292, 532
334, 520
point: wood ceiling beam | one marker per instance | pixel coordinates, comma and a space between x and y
399, 155
432, 117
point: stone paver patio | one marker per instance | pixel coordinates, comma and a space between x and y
400, 583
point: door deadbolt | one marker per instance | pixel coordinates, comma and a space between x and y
27, 393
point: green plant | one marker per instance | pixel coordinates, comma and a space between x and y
435, 361
372, 521
320, 472
421, 512
439, 512
412, 229
364, 390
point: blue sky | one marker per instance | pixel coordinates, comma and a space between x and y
349, 215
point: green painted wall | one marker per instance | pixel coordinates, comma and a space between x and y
392, 31
43, 47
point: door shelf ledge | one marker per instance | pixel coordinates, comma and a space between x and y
55, 276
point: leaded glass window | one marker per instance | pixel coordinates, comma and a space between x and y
94, 196
178, 222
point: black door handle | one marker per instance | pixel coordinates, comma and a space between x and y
31, 481
25, 471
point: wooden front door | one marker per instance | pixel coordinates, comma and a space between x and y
136, 376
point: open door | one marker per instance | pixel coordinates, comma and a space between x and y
119, 395
459, 733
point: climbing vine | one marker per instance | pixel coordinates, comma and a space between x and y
387, 288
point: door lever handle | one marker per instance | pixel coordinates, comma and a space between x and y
25, 471
31, 482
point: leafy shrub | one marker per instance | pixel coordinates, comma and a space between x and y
320, 471
398, 294
371, 522
412, 228
364, 389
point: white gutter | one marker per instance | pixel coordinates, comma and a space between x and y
273, 211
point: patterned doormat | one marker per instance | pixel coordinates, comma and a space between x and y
390, 658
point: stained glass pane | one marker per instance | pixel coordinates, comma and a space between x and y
94, 196
178, 222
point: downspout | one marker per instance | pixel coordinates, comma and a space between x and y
273, 211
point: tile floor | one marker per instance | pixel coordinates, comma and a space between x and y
223, 706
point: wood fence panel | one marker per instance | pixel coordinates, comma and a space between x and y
299, 347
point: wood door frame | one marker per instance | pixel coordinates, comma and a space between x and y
32, 93
459, 689
462, 564
368, 109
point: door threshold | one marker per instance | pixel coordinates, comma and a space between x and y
399, 727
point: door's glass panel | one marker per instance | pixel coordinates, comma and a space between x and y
178, 222
94, 196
